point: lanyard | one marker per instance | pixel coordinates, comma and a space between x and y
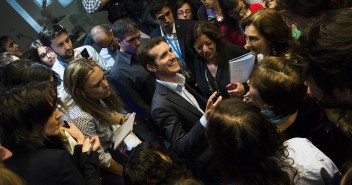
211, 89
175, 46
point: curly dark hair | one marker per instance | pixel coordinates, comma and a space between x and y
213, 32
146, 166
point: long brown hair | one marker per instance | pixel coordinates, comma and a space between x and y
24, 112
272, 27
75, 77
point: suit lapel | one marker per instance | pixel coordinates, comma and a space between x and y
177, 99
202, 102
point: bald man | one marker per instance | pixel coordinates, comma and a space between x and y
103, 37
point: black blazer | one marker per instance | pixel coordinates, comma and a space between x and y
179, 122
184, 30
226, 52
51, 166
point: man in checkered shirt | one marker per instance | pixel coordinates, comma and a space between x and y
93, 6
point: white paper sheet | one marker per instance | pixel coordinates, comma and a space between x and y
124, 130
241, 67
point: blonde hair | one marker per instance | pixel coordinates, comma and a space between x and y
8, 177
75, 77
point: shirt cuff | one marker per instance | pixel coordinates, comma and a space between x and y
203, 121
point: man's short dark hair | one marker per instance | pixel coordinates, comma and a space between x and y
157, 5
327, 48
124, 26
143, 51
50, 31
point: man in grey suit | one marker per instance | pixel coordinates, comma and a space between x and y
178, 111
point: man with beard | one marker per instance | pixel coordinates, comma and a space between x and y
56, 37
326, 47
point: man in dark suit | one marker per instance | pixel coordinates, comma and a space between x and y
177, 110
176, 33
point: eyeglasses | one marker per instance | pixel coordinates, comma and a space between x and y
181, 12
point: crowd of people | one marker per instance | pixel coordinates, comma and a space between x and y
168, 62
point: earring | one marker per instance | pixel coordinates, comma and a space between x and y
273, 51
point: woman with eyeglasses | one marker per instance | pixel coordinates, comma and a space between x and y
42, 53
211, 62
184, 10
234, 12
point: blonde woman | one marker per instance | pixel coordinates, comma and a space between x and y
94, 109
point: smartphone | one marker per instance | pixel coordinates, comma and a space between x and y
85, 53
66, 124
231, 86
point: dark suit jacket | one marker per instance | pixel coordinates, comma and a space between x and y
184, 29
135, 86
179, 121
51, 166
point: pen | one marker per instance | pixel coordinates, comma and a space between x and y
91, 148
